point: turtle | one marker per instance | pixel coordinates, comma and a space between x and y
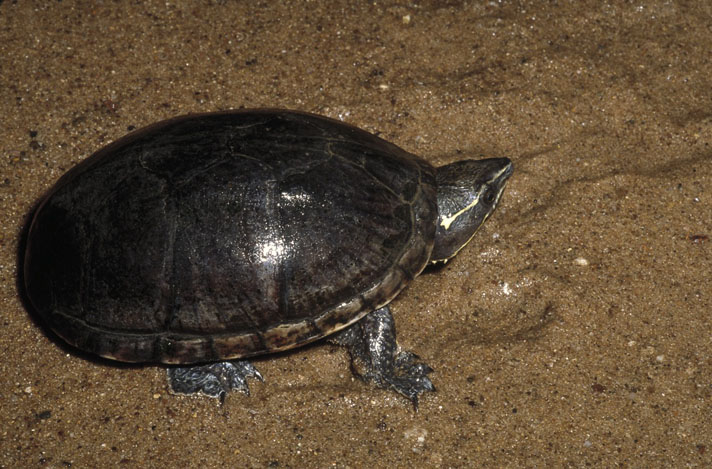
203, 240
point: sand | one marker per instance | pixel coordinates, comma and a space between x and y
574, 331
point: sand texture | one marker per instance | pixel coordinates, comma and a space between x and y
574, 331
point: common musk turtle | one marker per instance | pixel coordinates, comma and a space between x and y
206, 239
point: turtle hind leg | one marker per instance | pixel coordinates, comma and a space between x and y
376, 357
212, 379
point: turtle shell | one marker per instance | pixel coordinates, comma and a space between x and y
226, 235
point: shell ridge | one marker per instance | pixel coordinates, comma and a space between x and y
169, 268
370, 175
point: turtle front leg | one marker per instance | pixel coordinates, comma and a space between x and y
376, 357
213, 379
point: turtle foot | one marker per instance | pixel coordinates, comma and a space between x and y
408, 377
214, 379
376, 358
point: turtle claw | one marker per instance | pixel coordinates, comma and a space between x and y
214, 379
407, 377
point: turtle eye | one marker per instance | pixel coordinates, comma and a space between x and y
489, 195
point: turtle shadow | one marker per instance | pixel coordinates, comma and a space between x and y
434, 268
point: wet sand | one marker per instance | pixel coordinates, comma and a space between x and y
575, 330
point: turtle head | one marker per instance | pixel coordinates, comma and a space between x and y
468, 192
